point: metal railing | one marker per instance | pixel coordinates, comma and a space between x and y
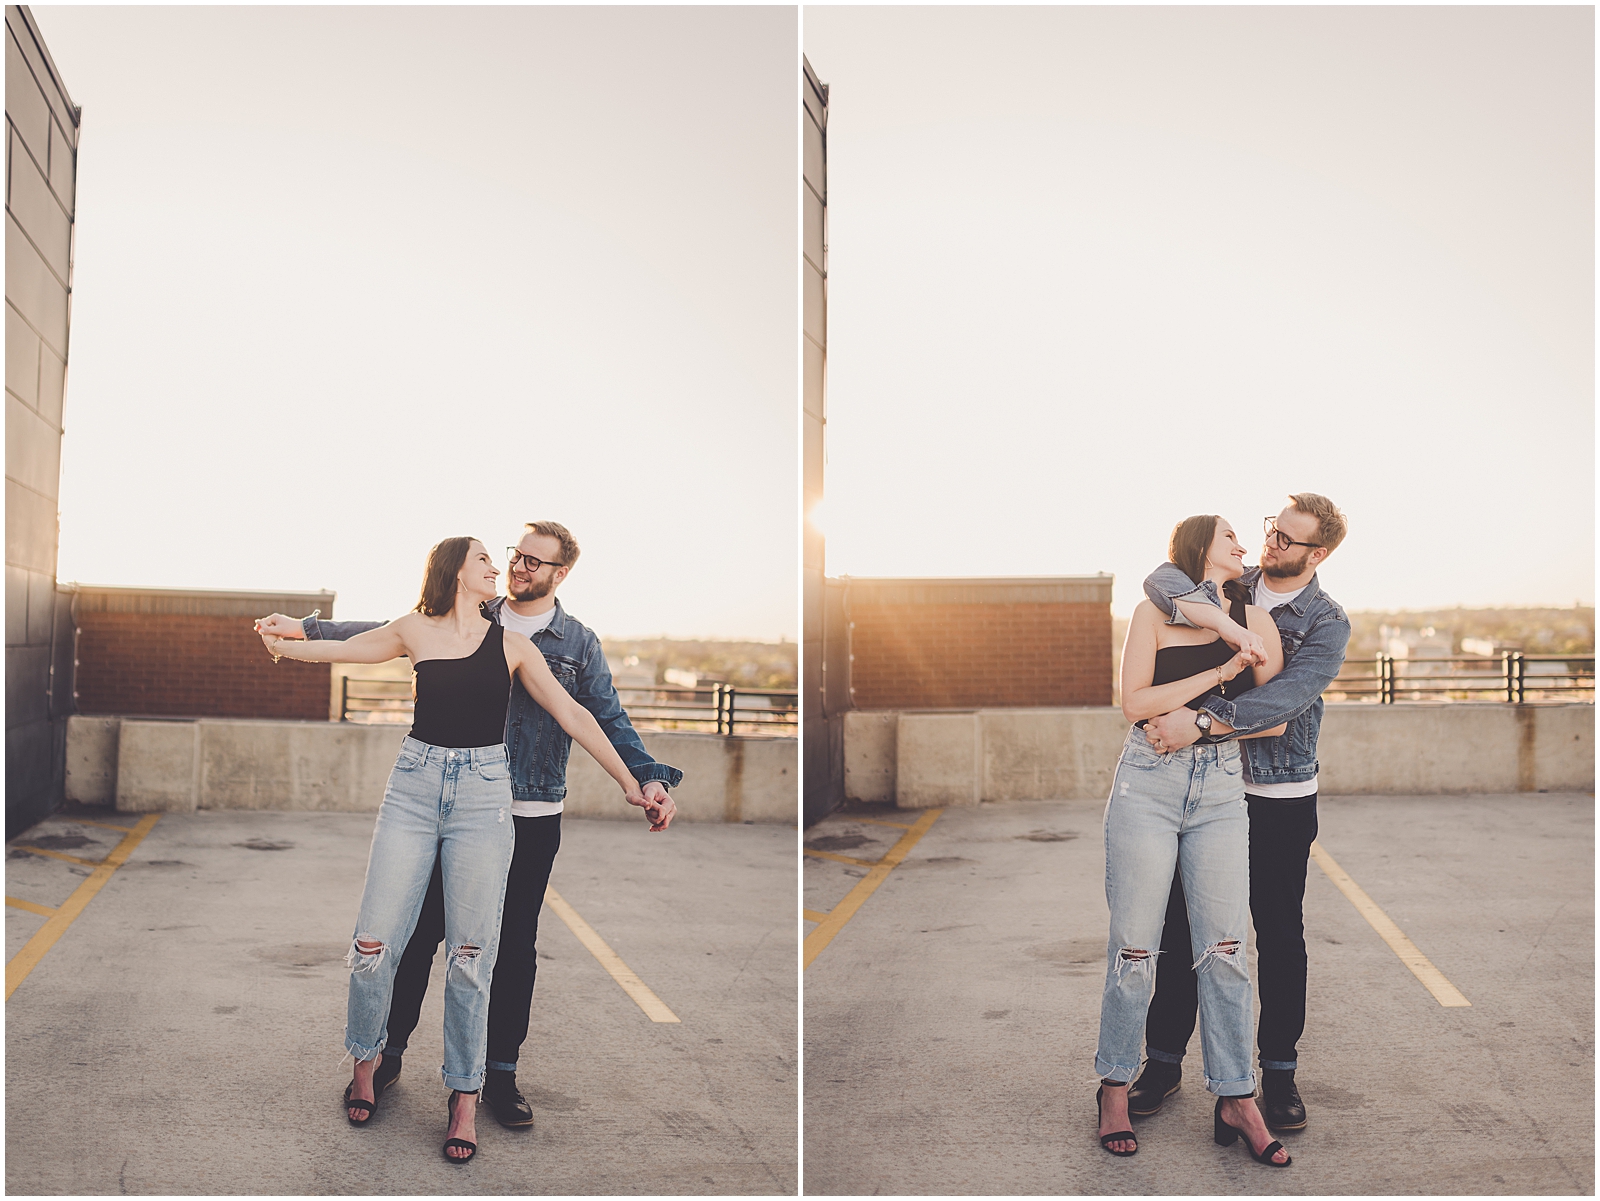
714, 709
1513, 678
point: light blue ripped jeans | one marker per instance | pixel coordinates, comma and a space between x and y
454, 803
1186, 806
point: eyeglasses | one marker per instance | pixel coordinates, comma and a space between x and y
1280, 539
529, 561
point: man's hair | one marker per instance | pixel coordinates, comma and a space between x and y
554, 529
439, 577
1331, 525
1190, 542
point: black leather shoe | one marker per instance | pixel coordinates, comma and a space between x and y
1280, 1100
1155, 1084
508, 1105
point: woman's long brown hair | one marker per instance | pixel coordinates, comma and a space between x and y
439, 577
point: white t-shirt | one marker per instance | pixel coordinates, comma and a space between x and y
528, 627
1265, 598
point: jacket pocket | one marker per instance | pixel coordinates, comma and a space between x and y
1291, 640
565, 672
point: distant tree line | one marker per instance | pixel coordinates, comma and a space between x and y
1532, 631
742, 664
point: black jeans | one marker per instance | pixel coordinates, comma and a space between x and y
511, 989
1281, 833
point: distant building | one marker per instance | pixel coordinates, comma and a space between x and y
965, 643
631, 671
178, 652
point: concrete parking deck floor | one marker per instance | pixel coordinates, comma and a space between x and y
950, 1026
184, 1035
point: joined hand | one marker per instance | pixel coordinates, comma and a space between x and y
279, 625
658, 805
1246, 642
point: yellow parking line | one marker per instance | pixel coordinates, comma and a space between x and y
25, 960
86, 821
41, 910
610, 960
1421, 967
811, 915
841, 913
850, 859
57, 855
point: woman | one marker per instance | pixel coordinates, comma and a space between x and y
449, 796
1185, 805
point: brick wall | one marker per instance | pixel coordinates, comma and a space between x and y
164, 652
980, 643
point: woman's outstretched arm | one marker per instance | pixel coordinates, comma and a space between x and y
1142, 699
375, 646
528, 661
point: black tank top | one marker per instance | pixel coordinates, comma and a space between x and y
1180, 662
462, 702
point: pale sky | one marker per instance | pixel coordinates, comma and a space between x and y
353, 280
1093, 270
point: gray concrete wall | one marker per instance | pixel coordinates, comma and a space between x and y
41, 186
824, 683
920, 760
172, 766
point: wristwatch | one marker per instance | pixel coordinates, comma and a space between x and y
1202, 722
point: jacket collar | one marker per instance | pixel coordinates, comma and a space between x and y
558, 623
1301, 603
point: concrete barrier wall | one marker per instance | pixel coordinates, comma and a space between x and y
920, 760
161, 766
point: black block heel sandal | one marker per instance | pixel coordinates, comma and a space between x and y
1117, 1135
366, 1107
471, 1148
1223, 1134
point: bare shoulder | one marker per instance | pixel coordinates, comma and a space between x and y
518, 650
1146, 613
1259, 620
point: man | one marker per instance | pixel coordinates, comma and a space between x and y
1280, 790
538, 749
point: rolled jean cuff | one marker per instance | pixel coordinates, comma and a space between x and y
501, 1066
462, 1084
1106, 1070
1160, 1056
362, 1054
1232, 1088
1279, 1065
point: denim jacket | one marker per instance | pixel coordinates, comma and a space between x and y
535, 742
1314, 631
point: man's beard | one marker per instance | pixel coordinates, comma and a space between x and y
1281, 570
538, 590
